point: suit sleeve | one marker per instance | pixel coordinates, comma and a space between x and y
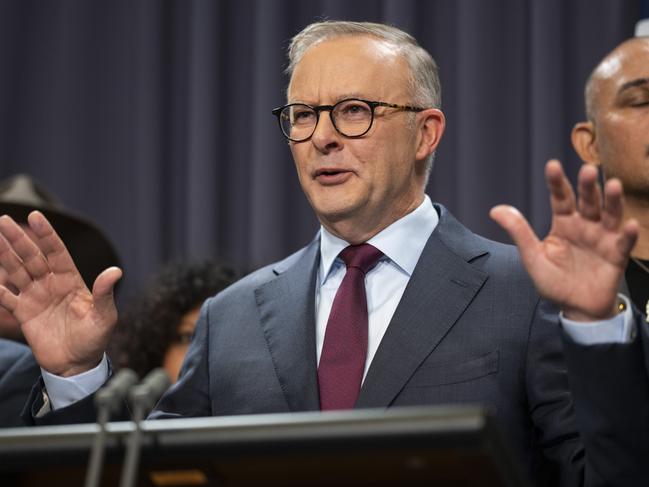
190, 396
643, 326
18, 371
610, 385
34, 414
38, 409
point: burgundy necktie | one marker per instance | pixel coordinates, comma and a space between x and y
344, 350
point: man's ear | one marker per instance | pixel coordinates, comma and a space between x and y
583, 138
430, 130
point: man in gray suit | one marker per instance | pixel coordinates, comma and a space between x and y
439, 314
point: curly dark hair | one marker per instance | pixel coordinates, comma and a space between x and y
148, 327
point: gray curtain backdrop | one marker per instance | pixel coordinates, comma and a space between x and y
153, 117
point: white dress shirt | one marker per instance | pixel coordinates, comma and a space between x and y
619, 329
402, 244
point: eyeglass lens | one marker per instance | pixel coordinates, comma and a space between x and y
351, 118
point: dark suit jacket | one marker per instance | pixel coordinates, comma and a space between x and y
610, 386
470, 328
18, 372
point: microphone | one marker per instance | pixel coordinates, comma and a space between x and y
142, 398
108, 400
146, 394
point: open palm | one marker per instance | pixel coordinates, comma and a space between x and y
65, 324
580, 263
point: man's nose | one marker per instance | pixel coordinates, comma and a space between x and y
325, 136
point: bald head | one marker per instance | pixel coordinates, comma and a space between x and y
617, 72
616, 135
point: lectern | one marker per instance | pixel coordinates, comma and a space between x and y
441, 446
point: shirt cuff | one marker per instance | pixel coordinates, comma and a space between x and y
63, 391
619, 329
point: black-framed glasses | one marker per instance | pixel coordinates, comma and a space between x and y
351, 117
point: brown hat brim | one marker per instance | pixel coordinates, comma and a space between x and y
90, 249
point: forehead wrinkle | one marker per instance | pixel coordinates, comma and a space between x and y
384, 51
336, 99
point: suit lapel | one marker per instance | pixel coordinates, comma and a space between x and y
440, 288
286, 310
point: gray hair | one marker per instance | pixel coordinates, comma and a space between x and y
424, 81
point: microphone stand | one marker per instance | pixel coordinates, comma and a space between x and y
142, 398
108, 400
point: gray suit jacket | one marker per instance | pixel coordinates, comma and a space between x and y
470, 328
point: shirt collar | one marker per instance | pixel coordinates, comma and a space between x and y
402, 242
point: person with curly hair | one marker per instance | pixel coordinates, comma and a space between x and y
155, 331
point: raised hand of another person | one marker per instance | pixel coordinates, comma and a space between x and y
580, 263
66, 325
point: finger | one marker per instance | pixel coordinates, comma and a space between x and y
57, 255
562, 197
590, 195
4, 278
8, 300
628, 238
519, 230
24, 247
14, 271
103, 290
613, 204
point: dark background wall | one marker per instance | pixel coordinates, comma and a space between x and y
153, 117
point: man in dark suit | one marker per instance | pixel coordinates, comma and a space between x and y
394, 303
610, 373
608, 368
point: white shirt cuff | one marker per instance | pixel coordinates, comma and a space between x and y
619, 329
63, 391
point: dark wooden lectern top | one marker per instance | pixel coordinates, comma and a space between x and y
441, 446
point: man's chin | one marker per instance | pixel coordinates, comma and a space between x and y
336, 213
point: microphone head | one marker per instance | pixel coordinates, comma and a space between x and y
147, 392
116, 389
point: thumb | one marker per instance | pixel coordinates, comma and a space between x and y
515, 224
102, 290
